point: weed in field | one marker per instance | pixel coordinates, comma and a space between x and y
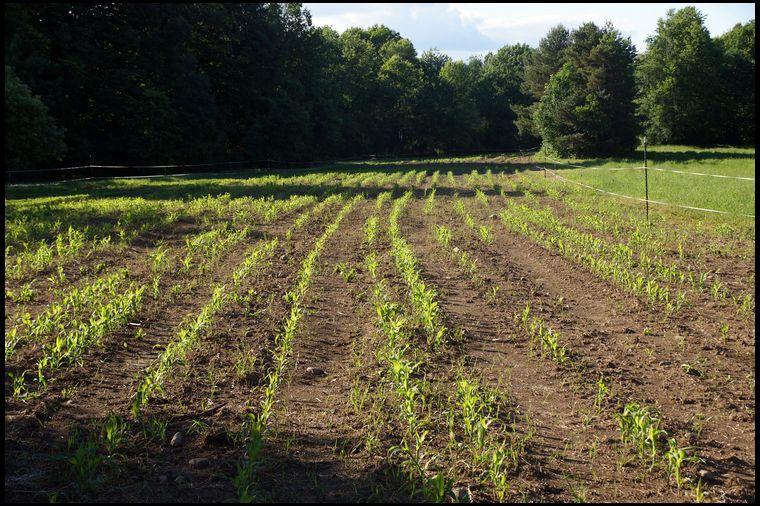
359, 397
244, 362
579, 492
699, 494
695, 368
69, 392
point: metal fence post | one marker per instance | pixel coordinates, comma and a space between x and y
544, 163
646, 178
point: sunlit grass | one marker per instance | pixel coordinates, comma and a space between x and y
733, 196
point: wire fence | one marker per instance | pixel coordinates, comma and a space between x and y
93, 172
649, 201
660, 169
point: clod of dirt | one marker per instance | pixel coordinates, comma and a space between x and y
316, 371
216, 438
253, 378
22, 422
177, 439
199, 463
462, 494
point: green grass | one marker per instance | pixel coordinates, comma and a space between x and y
728, 195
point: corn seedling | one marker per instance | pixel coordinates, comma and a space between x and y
639, 426
676, 457
602, 393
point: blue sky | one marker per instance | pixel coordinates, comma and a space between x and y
464, 30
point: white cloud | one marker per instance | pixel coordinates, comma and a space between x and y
467, 28
363, 18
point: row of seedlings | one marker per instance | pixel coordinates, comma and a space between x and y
255, 424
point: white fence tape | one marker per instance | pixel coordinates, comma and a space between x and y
644, 200
652, 168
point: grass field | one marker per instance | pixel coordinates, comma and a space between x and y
451, 329
735, 196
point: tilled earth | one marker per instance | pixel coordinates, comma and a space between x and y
315, 449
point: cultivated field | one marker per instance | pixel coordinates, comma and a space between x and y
442, 330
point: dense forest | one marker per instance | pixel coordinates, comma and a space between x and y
192, 83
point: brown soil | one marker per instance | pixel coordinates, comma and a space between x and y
316, 444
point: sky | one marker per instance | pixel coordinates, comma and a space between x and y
472, 29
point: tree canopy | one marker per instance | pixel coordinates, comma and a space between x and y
192, 83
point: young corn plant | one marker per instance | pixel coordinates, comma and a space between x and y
346, 273
486, 234
371, 263
370, 230
675, 458
112, 432
422, 296
639, 426
541, 335
255, 425
442, 234
105, 318
481, 197
601, 394
176, 351
430, 202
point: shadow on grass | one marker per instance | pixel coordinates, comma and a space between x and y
659, 156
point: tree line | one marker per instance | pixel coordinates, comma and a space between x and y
192, 83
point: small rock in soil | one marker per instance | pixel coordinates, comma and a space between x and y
316, 371
180, 481
177, 439
199, 463
706, 475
